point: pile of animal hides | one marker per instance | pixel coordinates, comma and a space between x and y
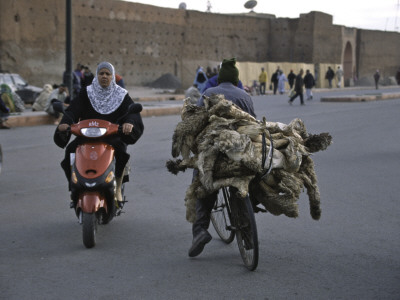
229, 147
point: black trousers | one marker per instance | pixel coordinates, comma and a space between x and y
297, 94
275, 87
204, 207
262, 88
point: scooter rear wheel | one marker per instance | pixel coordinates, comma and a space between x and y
89, 229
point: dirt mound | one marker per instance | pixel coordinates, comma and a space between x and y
166, 81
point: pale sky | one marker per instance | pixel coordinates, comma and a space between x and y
365, 14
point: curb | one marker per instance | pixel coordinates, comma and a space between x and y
159, 98
42, 118
361, 98
153, 112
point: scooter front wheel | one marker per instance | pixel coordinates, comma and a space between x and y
89, 229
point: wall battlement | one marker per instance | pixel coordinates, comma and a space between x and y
145, 42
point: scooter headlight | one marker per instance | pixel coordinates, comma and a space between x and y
74, 178
109, 177
93, 131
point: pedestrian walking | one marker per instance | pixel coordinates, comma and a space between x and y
339, 75
281, 82
329, 76
377, 75
298, 88
398, 76
275, 80
291, 77
263, 78
309, 83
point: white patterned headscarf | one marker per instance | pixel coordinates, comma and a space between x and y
105, 100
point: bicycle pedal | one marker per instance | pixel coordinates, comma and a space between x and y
119, 212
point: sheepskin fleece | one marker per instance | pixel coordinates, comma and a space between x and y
224, 144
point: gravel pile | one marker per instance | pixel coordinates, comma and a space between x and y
166, 81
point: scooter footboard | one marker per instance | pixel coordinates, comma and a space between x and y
91, 202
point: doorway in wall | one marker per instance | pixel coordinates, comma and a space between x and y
348, 65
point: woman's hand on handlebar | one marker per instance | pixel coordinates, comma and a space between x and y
127, 128
63, 127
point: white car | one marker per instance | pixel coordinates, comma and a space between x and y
28, 93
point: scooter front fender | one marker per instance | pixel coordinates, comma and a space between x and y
91, 202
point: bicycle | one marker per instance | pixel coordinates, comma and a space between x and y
232, 216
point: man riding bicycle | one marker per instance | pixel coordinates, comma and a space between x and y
228, 79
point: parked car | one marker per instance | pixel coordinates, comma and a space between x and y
27, 92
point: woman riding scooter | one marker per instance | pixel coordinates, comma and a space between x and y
104, 100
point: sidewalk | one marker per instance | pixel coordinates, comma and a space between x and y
158, 102
362, 98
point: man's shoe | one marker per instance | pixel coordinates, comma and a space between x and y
199, 241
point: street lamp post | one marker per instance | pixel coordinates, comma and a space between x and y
67, 80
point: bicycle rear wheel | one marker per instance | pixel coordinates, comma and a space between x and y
246, 230
220, 217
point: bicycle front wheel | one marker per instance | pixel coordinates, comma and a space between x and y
220, 217
246, 230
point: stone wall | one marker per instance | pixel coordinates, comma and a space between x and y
378, 50
144, 42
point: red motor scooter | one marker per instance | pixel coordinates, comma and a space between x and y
93, 182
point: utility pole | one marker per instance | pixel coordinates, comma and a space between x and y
67, 78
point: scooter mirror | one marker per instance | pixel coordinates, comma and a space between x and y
135, 108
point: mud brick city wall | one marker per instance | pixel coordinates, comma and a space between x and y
378, 50
145, 42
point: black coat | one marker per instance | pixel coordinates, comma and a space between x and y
298, 86
291, 77
82, 109
329, 74
274, 78
309, 81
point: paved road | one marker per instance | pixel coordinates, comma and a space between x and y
351, 253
